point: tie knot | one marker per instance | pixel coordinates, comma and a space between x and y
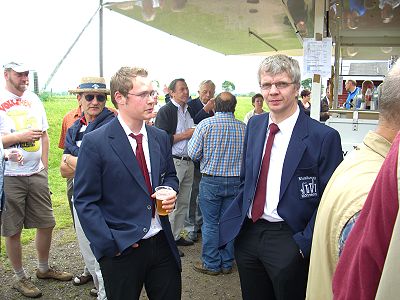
273, 128
138, 137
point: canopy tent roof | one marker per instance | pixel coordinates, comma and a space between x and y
367, 29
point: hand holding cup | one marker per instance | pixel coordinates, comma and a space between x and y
14, 157
165, 199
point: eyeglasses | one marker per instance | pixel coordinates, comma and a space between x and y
280, 85
144, 95
100, 98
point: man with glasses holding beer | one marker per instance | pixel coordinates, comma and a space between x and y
92, 95
120, 166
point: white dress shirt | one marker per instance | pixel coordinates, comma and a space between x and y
185, 122
155, 225
278, 154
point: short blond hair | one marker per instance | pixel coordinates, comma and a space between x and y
122, 81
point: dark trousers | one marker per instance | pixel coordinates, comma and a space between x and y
269, 262
151, 264
70, 193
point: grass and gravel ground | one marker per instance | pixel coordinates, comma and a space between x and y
65, 256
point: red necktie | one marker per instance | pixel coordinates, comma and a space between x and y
142, 164
260, 195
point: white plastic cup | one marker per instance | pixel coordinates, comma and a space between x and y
163, 192
13, 155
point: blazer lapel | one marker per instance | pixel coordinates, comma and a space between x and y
294, 152
259, 142
122, 148
155, 154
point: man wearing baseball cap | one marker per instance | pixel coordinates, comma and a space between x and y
24, 126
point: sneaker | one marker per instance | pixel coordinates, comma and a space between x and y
26, 287
184, 242
52, 273
200, 267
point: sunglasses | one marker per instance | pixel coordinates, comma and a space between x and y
100, 98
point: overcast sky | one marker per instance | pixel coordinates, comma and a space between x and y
39, 33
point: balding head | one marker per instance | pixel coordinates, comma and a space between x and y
225, 102
389, 101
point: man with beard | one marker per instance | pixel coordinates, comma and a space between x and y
26, 186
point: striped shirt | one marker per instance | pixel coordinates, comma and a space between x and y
185, 122
217, 143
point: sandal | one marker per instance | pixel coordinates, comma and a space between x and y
82, 279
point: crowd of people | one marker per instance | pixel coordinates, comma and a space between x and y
272, 194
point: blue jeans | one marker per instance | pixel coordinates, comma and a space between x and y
215, 196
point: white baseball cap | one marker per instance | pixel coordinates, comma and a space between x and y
17, 67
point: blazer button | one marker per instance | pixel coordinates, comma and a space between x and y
145, 230
149, 207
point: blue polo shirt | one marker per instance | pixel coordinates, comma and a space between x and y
350, 97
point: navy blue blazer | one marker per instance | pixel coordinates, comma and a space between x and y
110, 193
197, 108
313, 153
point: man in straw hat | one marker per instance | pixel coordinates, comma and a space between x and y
68, 119
26, 187
92, 95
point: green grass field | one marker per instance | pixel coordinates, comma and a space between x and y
56, 108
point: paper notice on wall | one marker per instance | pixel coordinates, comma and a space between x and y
317, 57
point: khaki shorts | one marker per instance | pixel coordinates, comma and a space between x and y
28, 203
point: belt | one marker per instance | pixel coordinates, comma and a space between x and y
181, 157
267, 224
208, 175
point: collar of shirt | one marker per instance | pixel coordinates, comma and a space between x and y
287, 125
128, 131
178, 106
354, 92
83, 120
224, 114
78, 112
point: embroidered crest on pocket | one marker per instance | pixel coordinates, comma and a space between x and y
308, 187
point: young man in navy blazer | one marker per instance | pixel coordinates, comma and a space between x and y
273, 239
115, 203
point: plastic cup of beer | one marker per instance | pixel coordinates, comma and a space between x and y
14, 154
163, 192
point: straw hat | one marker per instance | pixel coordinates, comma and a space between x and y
91, 84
